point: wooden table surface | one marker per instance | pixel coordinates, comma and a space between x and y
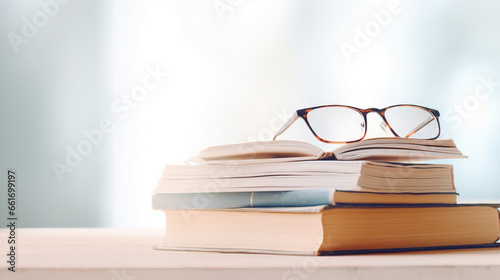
127, 254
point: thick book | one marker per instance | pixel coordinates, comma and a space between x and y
301, 198
331, 230
303, 175
392, 149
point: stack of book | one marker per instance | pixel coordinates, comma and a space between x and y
290, 197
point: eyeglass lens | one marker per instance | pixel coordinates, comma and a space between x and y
340, 124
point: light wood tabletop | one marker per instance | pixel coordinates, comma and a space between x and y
126, 254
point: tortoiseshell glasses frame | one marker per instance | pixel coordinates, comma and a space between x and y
302, 113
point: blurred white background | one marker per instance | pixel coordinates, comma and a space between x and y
236, 69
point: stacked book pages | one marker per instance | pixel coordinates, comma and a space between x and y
290, 197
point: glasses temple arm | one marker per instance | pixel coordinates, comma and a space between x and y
420, 126
287, 124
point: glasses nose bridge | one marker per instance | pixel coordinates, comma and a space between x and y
378, 111
373, 110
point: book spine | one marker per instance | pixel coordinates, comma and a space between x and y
300, 198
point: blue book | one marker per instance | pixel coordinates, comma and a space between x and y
298, 198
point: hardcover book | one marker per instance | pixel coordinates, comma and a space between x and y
331, 230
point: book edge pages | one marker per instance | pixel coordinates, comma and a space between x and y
453, 178
329, 253
396, 155
217, 153
260, 169
398, 141
372, 143
307, 209
331, 197
252, 161
321, 208
234, 251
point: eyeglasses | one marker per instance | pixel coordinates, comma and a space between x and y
340, 124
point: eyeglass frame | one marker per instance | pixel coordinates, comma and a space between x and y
302, 113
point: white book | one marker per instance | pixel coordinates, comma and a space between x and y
288, 176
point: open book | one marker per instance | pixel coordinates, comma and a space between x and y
380, 149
